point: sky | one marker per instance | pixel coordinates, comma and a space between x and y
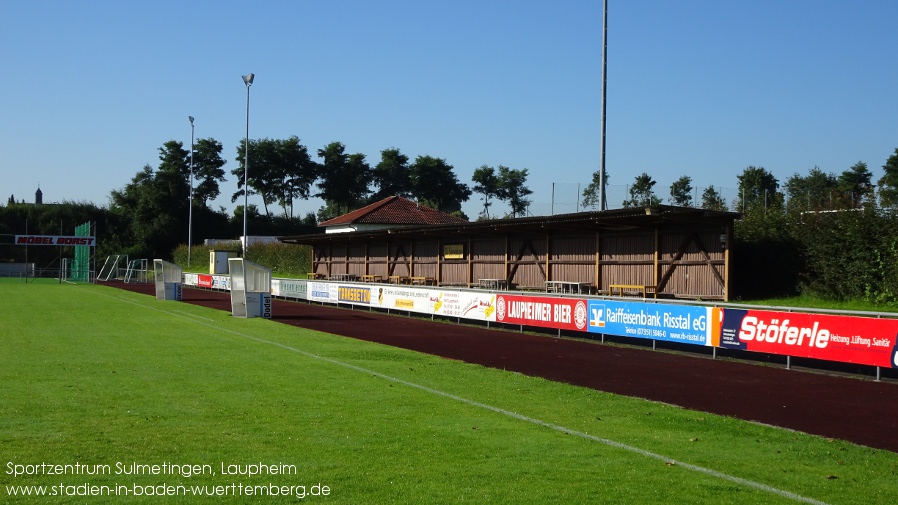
697, 88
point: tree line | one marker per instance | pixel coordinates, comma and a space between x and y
148, 217
833, 235
282, 171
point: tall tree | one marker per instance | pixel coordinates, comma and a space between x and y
888, 183
855, 185
436, 185
155, 205
486, 183
681, 192
207, 171
592, 191
513, 189
816, 191
344, 178
299, 170
642, 193
248, 171
392, 175
757, 188
711, 200
279, 171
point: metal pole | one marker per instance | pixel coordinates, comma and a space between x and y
248, 80
602, 204
190, 198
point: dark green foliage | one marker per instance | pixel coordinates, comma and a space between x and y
850, 255
711, 200
344, 179
54, 219
642, 193
284, 260
766, 259
681, 192
436, 185
392, 175
280, 171
513, 189
888, 183
765, 268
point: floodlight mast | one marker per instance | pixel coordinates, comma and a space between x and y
248, 80
602, 204
190, 197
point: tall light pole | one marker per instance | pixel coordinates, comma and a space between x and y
602, 203
190, 198
248, 80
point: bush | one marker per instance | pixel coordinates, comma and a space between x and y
284, 260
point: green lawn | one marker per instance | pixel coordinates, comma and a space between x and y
101, 377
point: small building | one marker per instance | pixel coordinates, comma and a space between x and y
672, 251
393, 212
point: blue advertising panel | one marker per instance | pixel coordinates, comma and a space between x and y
671, 323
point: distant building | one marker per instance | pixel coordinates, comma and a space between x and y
38, 196
392, 212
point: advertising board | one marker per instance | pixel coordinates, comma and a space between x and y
322, 292
289, 288
467, 305
849, 339
204, 281
672, 323
542, 311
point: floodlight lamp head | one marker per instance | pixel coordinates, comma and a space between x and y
248, 79
191, 120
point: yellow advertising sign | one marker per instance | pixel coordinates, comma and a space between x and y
454, 251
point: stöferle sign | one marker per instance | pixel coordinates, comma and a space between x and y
848, 339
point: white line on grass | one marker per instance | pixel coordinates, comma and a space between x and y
695, 468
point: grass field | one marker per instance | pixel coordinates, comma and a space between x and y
96, 380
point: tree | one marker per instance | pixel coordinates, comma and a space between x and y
344, 178
758, 188
513, 190
711, 200
249, 173
591, 192
487, 184
641, 192
681, 192
436, 185
816, 191
392, 175
207, 171
888, 183
299, 171
855, 185
155, 205
279, 171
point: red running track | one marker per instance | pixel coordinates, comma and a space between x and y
863, 412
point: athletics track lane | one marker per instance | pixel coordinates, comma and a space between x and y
863, 412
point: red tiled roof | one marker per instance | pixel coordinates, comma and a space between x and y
395, 210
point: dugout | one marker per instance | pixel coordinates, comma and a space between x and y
250, 289
169, 279
666, 251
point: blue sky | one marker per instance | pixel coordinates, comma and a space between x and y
702, 88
